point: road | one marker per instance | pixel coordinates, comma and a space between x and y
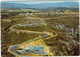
12, 49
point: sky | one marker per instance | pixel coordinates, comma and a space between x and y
34, 2
39, 2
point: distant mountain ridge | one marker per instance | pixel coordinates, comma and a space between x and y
39, 6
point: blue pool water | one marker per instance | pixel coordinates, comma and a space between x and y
35, 48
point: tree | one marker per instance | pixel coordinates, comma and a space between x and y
29, 11
62, 11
